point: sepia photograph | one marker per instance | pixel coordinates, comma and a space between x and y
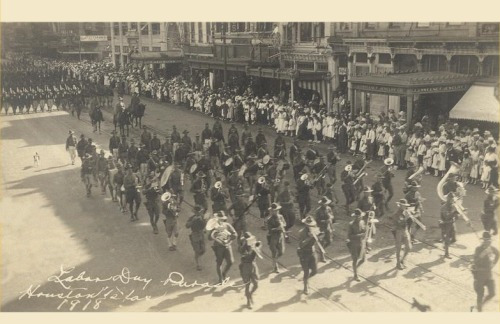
249, 166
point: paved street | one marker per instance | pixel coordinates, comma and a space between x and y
47, 222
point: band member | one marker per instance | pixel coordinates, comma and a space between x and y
119, 188
324, 219
275, 237
299, 163
251, 170
71, 146
197, 224
81, 147
123, 149
198, 188
332, 159
250, 147
262, 193
485, 258
287, 209
378, 195
102, 171
130, 182
415, 200
260, 138
449, 215
234, 184
307, 250
319, 172
248, 267
225, 156
152, 193
86, 173
311, 154
355, 239
451, 184
488, 217
303, 197
170, 210
386, 171
239, 207
400, 231
175, 183
279, 147
222, 235
132, 154
274, 179
294, 150
245, 135
218, 197
347, 178
367, 203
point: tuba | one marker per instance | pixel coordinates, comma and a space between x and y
454, 168
256, 245
417, 173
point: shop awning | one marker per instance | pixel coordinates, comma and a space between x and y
478, 103
320, 86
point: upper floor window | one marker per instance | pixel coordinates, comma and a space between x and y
144, 28
305, 32
344, 26
200, 32
264, 26
145, 49
423, 24
116, 29
155, 28
133, 26
124, 28
370, 25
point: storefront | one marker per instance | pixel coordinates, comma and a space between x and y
161, 64
431, 93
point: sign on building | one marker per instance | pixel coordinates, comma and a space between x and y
93, 38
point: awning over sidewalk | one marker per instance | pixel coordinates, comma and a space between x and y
320, 86
478, 103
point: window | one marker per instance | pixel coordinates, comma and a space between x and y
344, 26
384, 58
116, 29
238, 27
455, 23
133, 26
264, 26
156, 49
155, 28
319, 31
117, 48
305, 32
322, 66
423, 24
361, 57
145, 48
288, 65
192, 33
144, 29
370, 25
200, 32
124, 28
305, 66
208, 29
395, 25
125, 49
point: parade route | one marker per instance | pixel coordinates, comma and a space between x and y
49, 227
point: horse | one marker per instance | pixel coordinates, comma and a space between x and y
137, 114
123, 120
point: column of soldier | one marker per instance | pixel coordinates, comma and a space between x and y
226, 172
28, 88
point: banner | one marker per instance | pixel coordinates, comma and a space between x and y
93, 38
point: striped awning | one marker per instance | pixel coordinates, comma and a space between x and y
478, 103
320, 86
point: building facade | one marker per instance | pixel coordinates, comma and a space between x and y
153, 45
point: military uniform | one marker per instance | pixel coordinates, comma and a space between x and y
447, 223
355, 240
402, 236
152, 193
488, 217
197, 236
307, 256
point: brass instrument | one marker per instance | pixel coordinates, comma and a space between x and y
417, 173
314, 231
370, 230
454, 168
219, 233
256, 246
411, 214
360, 174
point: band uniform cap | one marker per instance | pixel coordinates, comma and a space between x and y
348, 168
304, 177
325, 201
367, 189
388, 161
261, 180
403, 202
200, 174
154, 152
166, 196
275, 206
309, 221
185, 131
71, 132
221, 215
218, 185
486, 236
82, 136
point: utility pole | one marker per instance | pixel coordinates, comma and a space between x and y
224, 52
